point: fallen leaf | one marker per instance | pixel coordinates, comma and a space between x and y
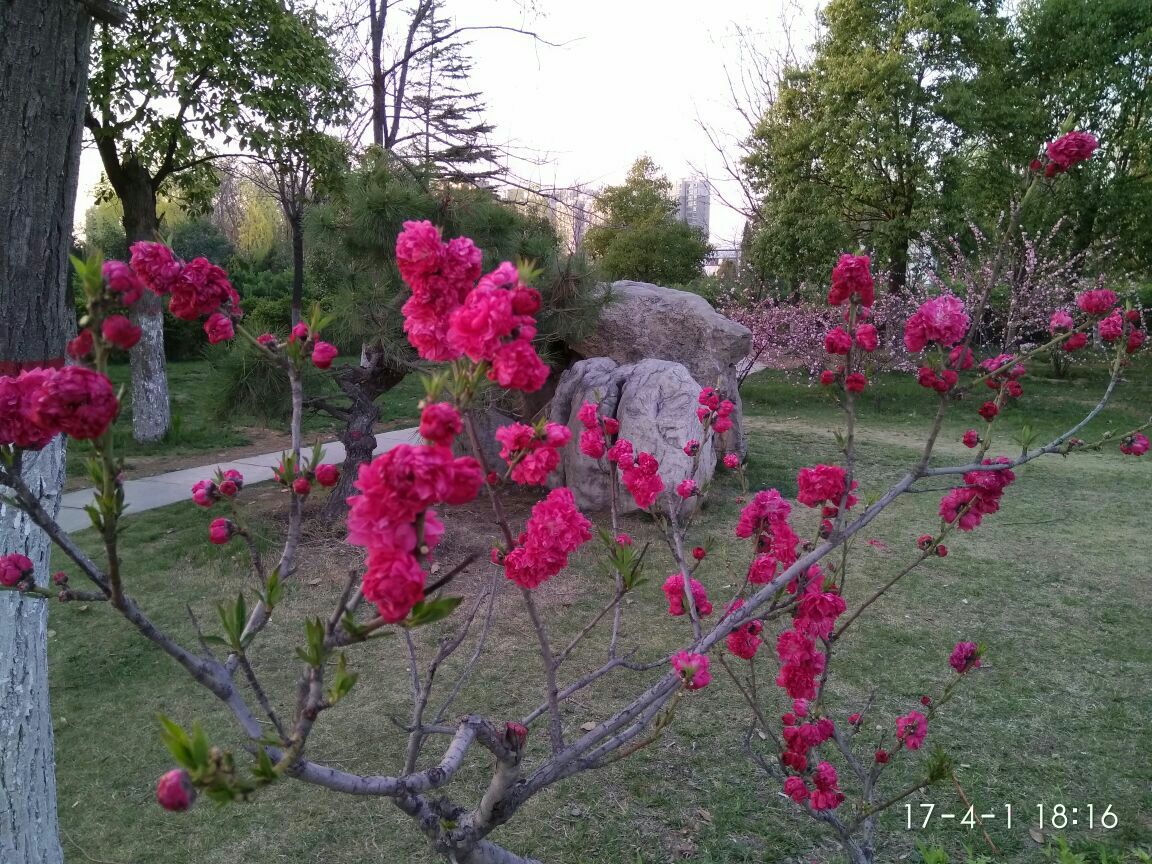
588, 727
703, 815
1037, 835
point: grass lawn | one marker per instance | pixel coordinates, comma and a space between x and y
198, 427
1056, 586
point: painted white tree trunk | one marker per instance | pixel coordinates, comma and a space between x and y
29, 833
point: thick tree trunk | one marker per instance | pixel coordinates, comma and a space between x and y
150, 409
43, 79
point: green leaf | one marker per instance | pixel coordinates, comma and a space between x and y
342, 682
430, 611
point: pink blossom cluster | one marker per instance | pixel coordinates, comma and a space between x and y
39, 403
14, 568
693, 669
1005, 373
532, 452
816, 613
640, 474
911, 729
825, 795
674, 591
765, 519
195, 289
824, 484
714, 412
598, 430
942, 320
450, 314
393, 519
745, 640
965, 657
555, 529
1068, 150
978, 498
207, 492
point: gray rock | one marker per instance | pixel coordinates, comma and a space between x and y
645, 321
655, 402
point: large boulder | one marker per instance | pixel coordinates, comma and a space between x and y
655, 402
644, 321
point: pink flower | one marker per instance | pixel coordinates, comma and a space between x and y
686, 488
854, 719
1075, 342
710, 398
301, 486
1112, 327
592, 443
1135, 444
394, 582
461, 263
731, 461
1071, 149
852, 277
691, 447
516, 366
624, 539
268, 340
642, 480
555, 529
81, 346
440, 423
155, 264
971, 438
693, 669
119, 331
77, 401
228, 488
175, 791
299, 333
323, 353
827, 794
419, 252
485, 319
911, 729
837, 341
531, 455
1135, 340
827, 378
219, 328
205, 493
988, 411
942, 320
745, 641
965, 656
200, 289
855, 383
1096, 302
698, 552
960, 358
621, 452
1060, 321
18, 396
221, 531
673, 589
762, 569
121, 280
14, 568
867, 337
819, 484
881, 757
795, 788
327, 475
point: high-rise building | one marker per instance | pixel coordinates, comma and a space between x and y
568, 209
693, 209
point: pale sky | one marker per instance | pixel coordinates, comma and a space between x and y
630, 77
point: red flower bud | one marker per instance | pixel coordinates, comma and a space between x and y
698, 553
882, 757
175, 790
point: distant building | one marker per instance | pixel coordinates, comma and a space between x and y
568, 210
694, 198
720, 258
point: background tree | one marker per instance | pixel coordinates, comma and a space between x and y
43, 76
169, 86
639, 236
448, 132
861, 142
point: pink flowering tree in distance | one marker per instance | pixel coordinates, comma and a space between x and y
788, 610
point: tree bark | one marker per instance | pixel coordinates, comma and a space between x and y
296, 225
151, 414
43, 81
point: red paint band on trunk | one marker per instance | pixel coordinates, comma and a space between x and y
15, 367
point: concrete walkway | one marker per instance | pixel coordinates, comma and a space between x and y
148, 493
